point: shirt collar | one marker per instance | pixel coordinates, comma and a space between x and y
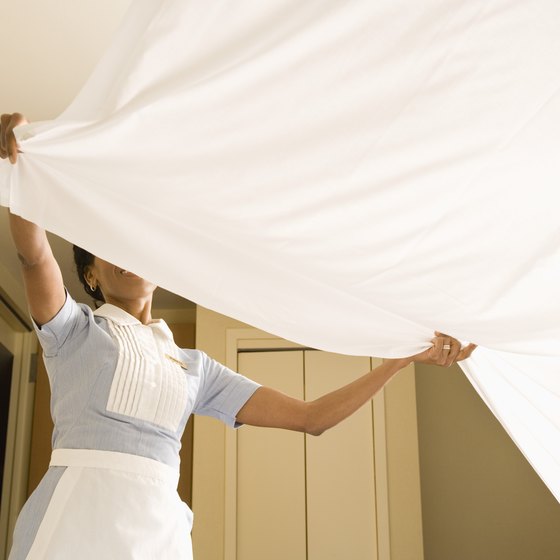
122, 318
116, 314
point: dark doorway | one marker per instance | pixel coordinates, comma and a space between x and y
6, 362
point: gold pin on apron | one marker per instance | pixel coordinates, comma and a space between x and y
179, 362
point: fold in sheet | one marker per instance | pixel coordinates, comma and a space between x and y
351, 176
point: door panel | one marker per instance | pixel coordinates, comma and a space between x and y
340, 468
271, 514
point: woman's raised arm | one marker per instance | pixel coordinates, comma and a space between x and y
270, 408
42, 278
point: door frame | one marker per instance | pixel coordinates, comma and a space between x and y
22, 343
254, 339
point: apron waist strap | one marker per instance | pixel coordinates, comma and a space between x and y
97, 459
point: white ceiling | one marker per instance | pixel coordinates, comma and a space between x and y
50, 48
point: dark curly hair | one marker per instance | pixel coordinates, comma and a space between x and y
83, 259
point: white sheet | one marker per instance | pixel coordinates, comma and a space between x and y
348, 175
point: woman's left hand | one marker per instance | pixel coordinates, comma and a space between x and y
445, 351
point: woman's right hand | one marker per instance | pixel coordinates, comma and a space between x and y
42, 278
8, 142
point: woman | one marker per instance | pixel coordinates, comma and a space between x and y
121, 395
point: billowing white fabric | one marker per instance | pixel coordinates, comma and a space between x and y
348, 175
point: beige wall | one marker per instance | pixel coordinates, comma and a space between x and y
480, 498
55, 46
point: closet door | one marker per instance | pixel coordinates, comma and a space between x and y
271, 517
341, 515
305, 497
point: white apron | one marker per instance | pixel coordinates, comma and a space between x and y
110, 505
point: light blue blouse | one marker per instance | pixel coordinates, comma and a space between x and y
119, 385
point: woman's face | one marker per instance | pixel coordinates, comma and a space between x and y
117, 283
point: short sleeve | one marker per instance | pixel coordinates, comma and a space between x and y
68, 320
222, 392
